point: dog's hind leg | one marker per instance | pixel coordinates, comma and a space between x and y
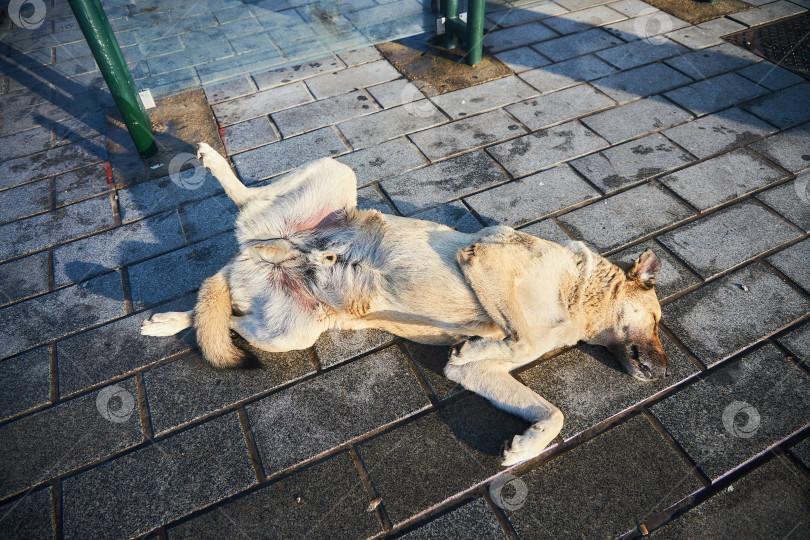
167, 324
493, 381
219, 167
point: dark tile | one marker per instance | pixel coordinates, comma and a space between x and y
737, 411
474, 519
23, 277
205, 218
334, 346
383, 160
391, 123
370, 198
674, 276
249, 134
161, 194
324, 500
453, 214
323, 112
430, 361
798, 342
80, 184
792, 200
547, 230
793, 263
411, 465
461, 135
722, 317
784, 108
25, 142
136, 492
25, 381
25, 200
54, 161
788, 148
641, 82
709, 95
802, 451
311, 417
29, 517
260, 103
718, 132
61, 438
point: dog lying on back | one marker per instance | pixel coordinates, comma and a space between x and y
310, 260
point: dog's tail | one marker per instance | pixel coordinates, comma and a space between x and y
212, 316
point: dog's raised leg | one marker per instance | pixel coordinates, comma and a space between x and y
167, 324
219, 167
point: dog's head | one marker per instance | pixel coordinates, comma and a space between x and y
632, 337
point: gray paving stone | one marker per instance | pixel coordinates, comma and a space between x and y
260, 103
205, 218
547, 230
61, 312
512, 17
66, 436
721, 26
54, 161
483, 96
615, 493
536, 151
716, 93
29, 517
635, 118
474, 516
793, 263
323, 500
249, 134
708, 62
790, 149
370, 198
725, 238
560, 106
360, 56
24, 142
770, 75
721, 179
792, 200
726, 434
453, 214
577, 21
340, 82
24, 277
767, 13
798, 342
695, 37
721, 318
323, 113
770, 501
281, 156
802, 452
517, 36
180, 271
641, 82
25, 200
521, 201
393, 93
80, 184
578, 44
430, 362
390, 123
465, 134
25, 381
383, 160
418, 190
408, 465
161, 194
630, 162
718, 132
621, 218
171, 477
229, 89
288, 74
337, 406
568, 73
674, 276
336, 346
523, 58
641, 52
632, 7
649, 27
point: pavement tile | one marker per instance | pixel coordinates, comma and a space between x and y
323, 113
188, 57
790, 149
725, 238
396, 92
718, 132
54, 161
249, 134
383, 160
316, 415
617, 220
539, 150
793, 263
390, 123
360, 56
473, 516
61, 312
25, 142
116, 247
483, 96
430, 361
770, 75
260, 103
630, 162
24, 277
548, 109
161, 194
512, 17
802, 452
205, 218
798, 342
641, 82
68, 435
521, 201
80, 184
632, 8
577, 21
25, 381
589, 386
341, 82
335, 346
465, 134
792, 200
635, 118
547, 230
767, 13
29, 517
749, 507
453, 214
171, 477
229, 89
564, 74
418, 190
744, 407
408, 464
281, 156
674, 276
717, 93
641, 52
721, 318
517, 36
578, 44
323, 500
695, 37
523, 58
25, 200
722, 25
296, 72
649, 27
614, 492
705, 63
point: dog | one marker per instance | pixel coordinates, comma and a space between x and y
310, 260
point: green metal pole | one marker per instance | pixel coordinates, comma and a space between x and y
105, 49
475, 31
450, 15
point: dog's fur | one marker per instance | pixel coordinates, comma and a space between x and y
311, 261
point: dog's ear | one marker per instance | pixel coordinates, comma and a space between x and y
645, 268
272, 251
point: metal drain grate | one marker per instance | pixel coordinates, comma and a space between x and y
785, 42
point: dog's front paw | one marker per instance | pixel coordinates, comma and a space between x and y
528, 445
203, 150
165, 324
466, 351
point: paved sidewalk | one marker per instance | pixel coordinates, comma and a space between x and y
622, 127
